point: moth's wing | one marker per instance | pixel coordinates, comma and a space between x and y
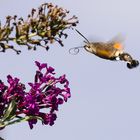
94, 38
118, 40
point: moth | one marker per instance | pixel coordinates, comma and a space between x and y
111, 50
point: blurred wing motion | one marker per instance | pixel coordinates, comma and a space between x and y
118, 42
118, 38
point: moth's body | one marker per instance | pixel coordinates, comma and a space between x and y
110, 50
104, 50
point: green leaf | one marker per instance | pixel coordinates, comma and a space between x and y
10, 112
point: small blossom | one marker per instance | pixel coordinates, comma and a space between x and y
50, 70
40, 66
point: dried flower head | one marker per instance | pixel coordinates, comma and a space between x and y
43, 26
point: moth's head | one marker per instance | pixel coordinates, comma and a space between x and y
89, 47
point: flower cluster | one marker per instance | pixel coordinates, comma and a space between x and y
42, 27
40, 103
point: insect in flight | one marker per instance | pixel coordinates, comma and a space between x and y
111, 50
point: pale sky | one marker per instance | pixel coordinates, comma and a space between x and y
105, 102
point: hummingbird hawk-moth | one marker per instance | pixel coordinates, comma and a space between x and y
110, 50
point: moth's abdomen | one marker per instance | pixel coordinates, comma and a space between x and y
131, 63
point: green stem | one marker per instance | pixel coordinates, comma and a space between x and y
22, 37
27, 118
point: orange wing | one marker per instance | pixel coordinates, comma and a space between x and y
118, 46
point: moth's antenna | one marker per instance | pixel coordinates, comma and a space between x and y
75, 50
82, 36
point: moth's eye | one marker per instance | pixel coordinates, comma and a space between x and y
86, 46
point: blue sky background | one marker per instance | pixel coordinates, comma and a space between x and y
105, 102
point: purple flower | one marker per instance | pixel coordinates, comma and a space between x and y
31, 122
50, 70
48, 118
41, 102
40, 66
12, 81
